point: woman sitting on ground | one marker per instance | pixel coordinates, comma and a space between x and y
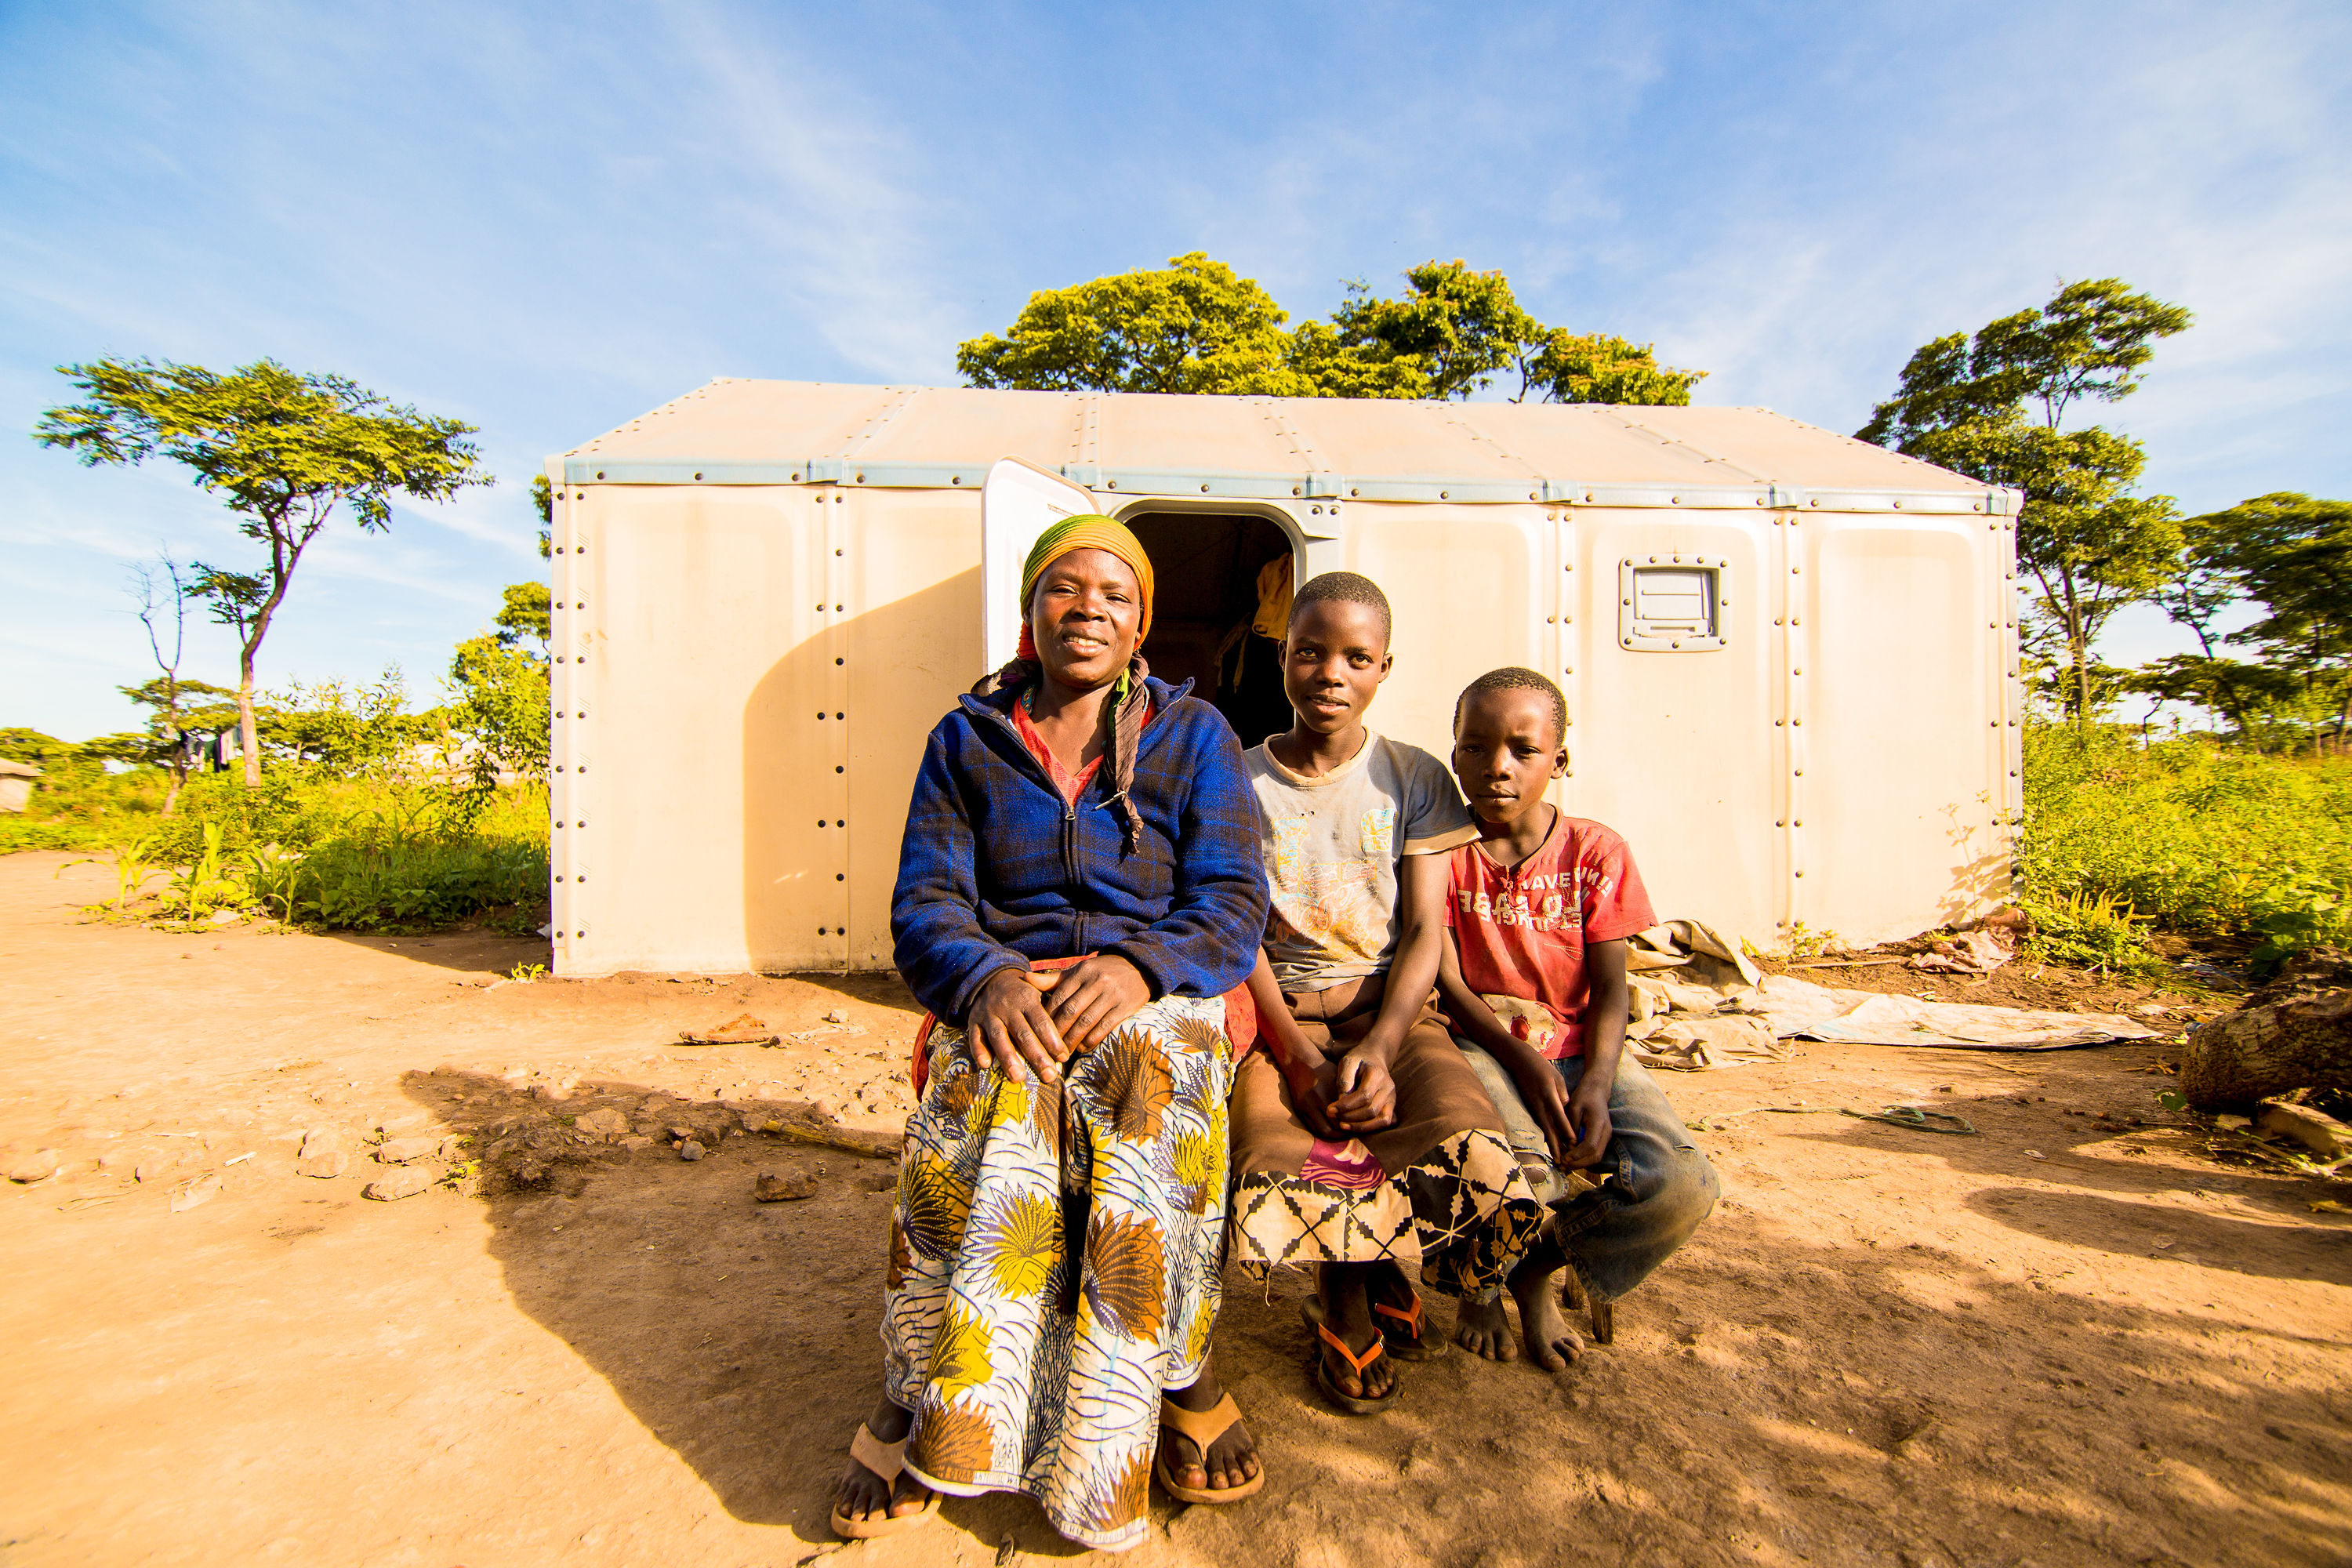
1079, 886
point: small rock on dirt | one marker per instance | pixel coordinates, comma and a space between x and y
838, 1016
776, 1189
691, 1150
603, 1123
405, 1182
634, 1141
402, 1151
33, 1166
189, 1195
323, 1165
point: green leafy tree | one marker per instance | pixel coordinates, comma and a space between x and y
1594, 367
343, 728
501, 703
1192, 326
542, 500
2293, 556
1196, 326
283, 451
1461, 325
1992, 406
525, 613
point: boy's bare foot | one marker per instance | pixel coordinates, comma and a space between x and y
1599, 1310
1230, 1460
865, 1496
1551, 1344
1347, 1312
1484, 1329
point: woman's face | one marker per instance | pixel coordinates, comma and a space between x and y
1083, 614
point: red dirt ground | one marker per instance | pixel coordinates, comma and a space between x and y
2052, 1343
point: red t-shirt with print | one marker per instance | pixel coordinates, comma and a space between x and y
1521, 932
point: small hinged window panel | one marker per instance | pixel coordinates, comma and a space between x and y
1673, 603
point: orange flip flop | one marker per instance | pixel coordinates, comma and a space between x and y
888, 1460
1408, 1343
1204, 1427
1351, 1404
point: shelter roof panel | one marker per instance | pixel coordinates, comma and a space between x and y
1591, 444
1397, 438
1789, 451
1173, 431
746, 422
976, 426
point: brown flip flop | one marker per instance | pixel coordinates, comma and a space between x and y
888, 1460
1204, 1427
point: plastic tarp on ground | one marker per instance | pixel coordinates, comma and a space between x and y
1700, 1002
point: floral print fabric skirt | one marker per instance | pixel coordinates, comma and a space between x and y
1056, 1262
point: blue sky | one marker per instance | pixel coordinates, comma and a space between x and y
544, 219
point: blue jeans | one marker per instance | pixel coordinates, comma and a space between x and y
1659, 1187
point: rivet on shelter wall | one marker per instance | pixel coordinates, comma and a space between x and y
840, 661
841, 825
953, 478
1445, 495
1295, 491
1204, 489
579, 934
861, 479
697, 475
841, 770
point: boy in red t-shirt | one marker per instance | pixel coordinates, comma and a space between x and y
1532, 978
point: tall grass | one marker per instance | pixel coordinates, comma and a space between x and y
384, 853
2184, 836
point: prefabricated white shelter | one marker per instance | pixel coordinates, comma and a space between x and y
1790, 657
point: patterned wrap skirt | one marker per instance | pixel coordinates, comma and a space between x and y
1442, 1186
1056, 1262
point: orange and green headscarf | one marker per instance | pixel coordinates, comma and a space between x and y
1089, 530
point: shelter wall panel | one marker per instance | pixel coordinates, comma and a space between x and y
1675, 749
1595, 443
1470, 586
1894, 770
698, 598
914, 585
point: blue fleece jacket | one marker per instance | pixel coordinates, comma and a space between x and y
997, 869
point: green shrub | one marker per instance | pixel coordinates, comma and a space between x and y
2184, 836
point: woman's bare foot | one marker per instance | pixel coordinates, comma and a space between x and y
865, 1496
1347, 1312
1484, 1328
1231, 1459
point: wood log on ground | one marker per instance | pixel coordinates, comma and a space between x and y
2294, 1033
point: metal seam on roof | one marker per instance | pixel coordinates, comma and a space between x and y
899, 400
1480, 433
1230, 484
1705, 455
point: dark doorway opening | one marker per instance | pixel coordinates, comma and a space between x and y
1210, 572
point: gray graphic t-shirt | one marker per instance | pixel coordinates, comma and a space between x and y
1333, 845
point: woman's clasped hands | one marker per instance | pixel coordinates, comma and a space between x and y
1027, 1020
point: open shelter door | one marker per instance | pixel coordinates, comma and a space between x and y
1018, 502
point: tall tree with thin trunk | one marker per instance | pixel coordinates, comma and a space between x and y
1993, 407
283, 451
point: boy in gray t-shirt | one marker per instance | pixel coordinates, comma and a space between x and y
1361, 1138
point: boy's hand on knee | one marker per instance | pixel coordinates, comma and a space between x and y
1587, 1111
1545, 1097
1366, 1094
